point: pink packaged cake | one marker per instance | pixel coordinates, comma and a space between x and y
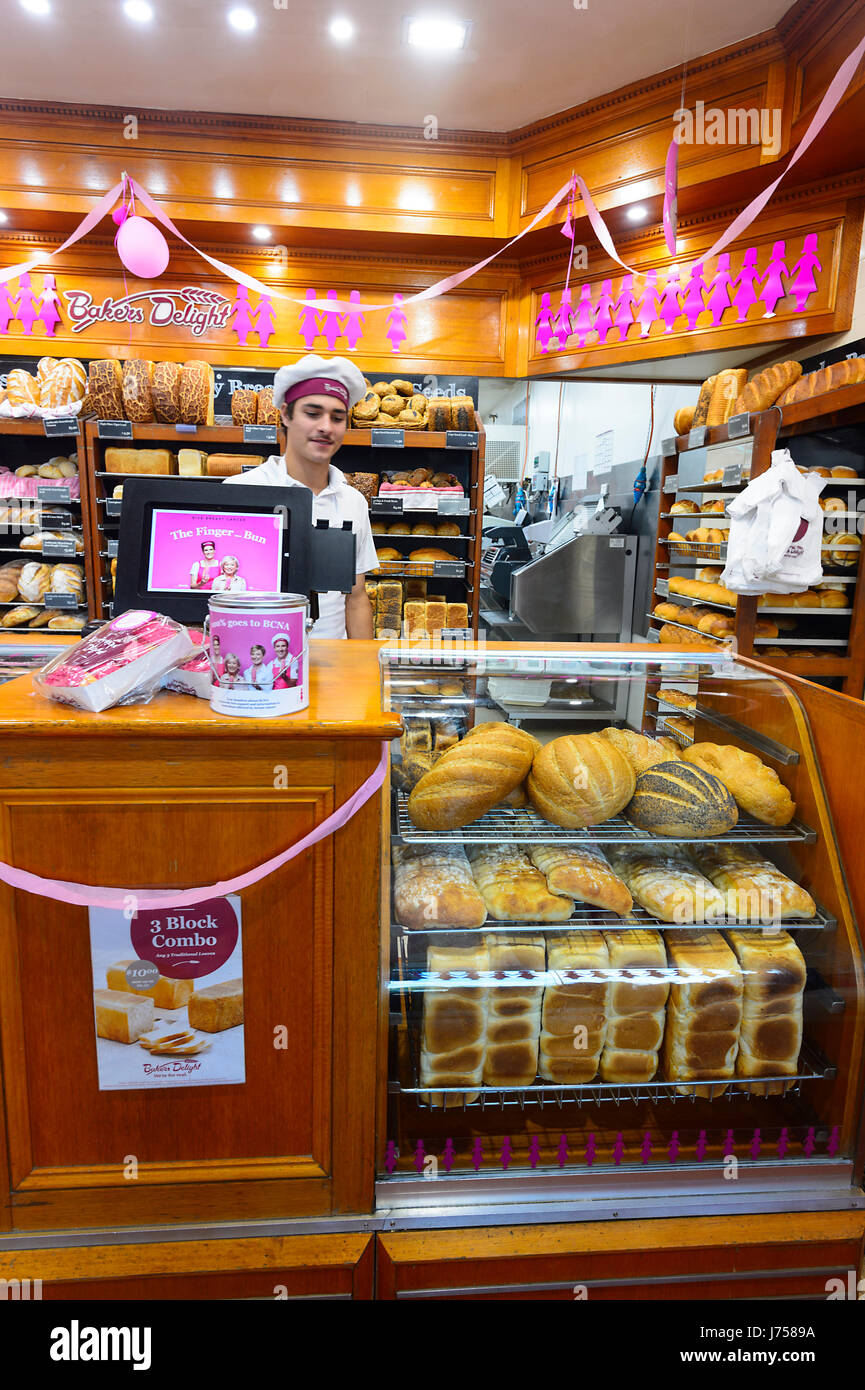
123, 662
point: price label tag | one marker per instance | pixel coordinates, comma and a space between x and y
738, 425
58, 548
61, 600
668, 446
448, 569
732, 475
494, 493
53, 492
461, 439
187, 429
617, 542
672, 484
390, 505
112, 548
456, 634
114, 429
54, 428
113, 506
248, 467
259, 434
387, 439
697, 437
453, 506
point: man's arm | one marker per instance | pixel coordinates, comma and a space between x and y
358, 610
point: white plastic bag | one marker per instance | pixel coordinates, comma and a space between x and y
776, 531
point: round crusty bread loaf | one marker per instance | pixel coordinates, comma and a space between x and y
470, 779
580, 780
675, 798
640, 750
495, 726
755, 787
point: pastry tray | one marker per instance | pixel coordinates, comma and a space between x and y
505, 825
812, 1066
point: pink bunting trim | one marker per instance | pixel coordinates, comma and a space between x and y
140, 899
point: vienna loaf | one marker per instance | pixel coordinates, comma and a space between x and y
584, 874
755, 787
217, 1007
137, 391
471, 778
165, 392
105, 389
196, 393
677, 799
122, 1016
512, 888
580, 780
640, 751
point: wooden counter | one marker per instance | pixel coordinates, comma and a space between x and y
172, 794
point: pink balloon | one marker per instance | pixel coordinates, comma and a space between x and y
119, 216
142, 248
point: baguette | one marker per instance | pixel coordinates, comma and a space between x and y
470, 779
846, 373
434, 887
583, 874
683, 419
767, 386
513, 889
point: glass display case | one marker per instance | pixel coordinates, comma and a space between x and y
619, 954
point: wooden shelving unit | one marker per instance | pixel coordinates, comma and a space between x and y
25, 442
844, 629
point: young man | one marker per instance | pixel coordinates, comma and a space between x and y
314, 398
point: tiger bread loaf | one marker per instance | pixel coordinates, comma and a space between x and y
512, 888
636, 1003
244, 407
640, 750
228, 465
217, 1007
433, 887
514, 1016
754, 888
105, 389
579, 780
166, 993
165, 392
581, 872
137, 391
471, 778
677, 799
667, 885
774, 975
704, 1013
196, 393
574, 1011
125, 460
755, 787
267, 413
767, 387
454, 1029
122, 1016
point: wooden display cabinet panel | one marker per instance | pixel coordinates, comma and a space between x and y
700, 1257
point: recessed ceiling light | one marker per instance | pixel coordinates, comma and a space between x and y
637, 213
242, 19
139, 10
262, 233
437, 33
341, 30
4, 217
40, 7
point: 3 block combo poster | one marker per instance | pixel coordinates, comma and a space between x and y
168, 996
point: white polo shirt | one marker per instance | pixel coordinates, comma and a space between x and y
338, 502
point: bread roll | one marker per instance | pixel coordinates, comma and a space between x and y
579, 780
18, 617
833, 598
470, 779
683, 506
392, 405
583, 874
433, 886
757, 788
512, 888
671, 696
683, 419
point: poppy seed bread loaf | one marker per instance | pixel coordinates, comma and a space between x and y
677, 799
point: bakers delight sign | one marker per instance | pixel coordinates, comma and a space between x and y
200, 311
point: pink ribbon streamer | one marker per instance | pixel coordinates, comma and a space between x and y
87, 895
671, 196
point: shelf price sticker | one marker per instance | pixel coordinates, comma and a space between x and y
387, 439
461, 439
61, 600
453, 506
114, 429
697, 437
456, 634
732, 475
449, 569
113, 506
58, 547
56, 428
668, 446
112, 548
53, 492
738, 425
392, 505
259, 434
248, 467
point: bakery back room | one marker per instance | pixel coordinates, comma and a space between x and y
432, 646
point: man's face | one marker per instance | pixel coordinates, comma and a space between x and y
316, 428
